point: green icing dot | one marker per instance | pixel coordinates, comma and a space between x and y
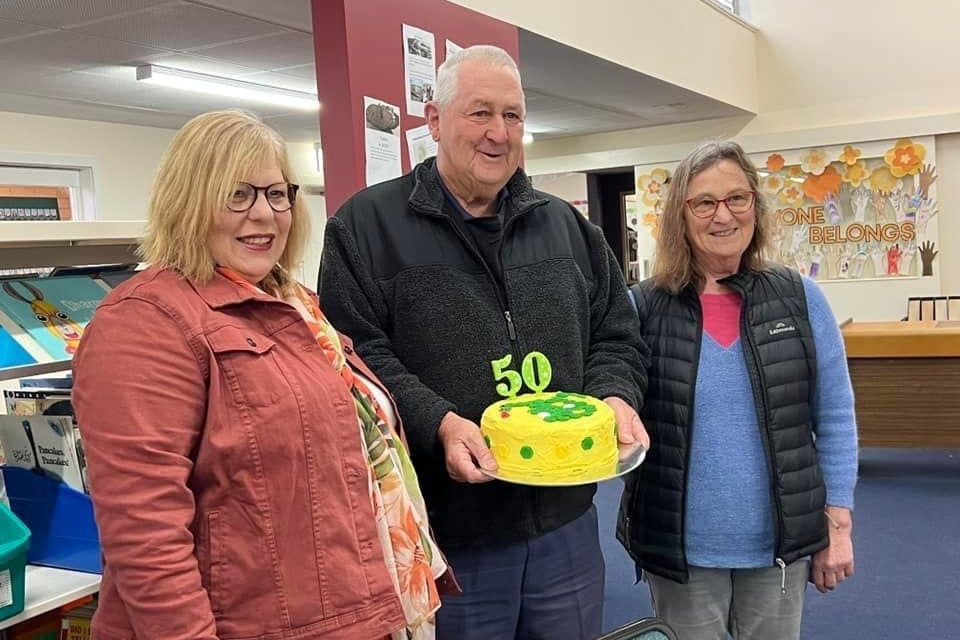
526, 452
587, 443
487, 440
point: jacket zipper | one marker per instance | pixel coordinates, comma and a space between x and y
761, 407
692, 404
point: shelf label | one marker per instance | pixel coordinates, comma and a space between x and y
6, 588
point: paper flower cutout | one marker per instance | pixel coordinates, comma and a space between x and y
650, 186
794, 171
792, 194
771, 185
856, 173
905, 158
849, 155
818, 187
652, 219
814, 162
882, 180
775, 162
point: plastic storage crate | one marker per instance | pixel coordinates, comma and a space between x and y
14, 541
60, 519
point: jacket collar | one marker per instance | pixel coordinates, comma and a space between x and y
427, 195
219, 292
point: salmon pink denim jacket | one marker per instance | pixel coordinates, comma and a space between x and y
226, 469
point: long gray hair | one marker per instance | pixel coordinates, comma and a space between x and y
674, 267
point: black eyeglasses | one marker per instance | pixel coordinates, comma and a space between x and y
279, 196
737, 202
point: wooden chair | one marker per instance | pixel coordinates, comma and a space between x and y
926, 308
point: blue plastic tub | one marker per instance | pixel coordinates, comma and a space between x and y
14, 540
60, 519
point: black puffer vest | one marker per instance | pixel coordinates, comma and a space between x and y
781, 360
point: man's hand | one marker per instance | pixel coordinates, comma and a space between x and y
464, 450
630, 430
833, 565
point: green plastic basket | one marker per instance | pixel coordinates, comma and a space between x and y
14, 541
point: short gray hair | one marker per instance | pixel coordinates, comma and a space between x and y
447, 74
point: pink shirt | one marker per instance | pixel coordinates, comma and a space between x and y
721, 316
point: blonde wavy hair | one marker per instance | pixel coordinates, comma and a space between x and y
198, 172
674, 267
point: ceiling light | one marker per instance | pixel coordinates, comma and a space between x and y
527, 138
225, 87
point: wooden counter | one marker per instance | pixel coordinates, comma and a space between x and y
906, 378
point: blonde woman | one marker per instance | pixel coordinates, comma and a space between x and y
748, 487
245, 466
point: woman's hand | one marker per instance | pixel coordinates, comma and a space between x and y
834, 564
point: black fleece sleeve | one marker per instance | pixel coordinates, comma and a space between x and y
617, 360
353, 302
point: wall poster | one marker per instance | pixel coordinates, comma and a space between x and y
845, 212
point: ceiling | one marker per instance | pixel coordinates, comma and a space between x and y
76, 59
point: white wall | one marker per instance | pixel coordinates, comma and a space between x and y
125, 156
673, 40
827, 73
125, 160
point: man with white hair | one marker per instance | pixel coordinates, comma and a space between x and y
460, 263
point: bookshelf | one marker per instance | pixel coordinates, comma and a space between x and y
27, 244
45, 243
48, 588
27, 370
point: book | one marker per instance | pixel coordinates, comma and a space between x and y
74, 628
12, 354
51, 445
65, 382
53, 311
38, 402
116, 278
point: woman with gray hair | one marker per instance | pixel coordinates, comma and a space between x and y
749, 407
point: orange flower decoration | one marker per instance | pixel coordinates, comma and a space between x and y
905, 158
856, 173
818, 187
795, 171
792, 195
650, 186
882, 180
775, 162
850, 155
815, 161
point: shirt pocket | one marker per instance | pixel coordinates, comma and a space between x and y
248, 364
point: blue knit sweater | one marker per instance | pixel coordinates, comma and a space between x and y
729, 510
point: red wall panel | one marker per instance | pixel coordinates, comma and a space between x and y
359, 52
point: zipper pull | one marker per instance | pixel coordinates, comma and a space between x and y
510, 329
783, 576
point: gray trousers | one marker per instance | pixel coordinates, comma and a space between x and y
749, 604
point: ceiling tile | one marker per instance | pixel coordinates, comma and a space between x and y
179, 26
12, 29
59, 13
200, 64
69, 50
268, 53
281, 80
308, 71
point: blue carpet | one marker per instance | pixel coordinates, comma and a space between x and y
906, 545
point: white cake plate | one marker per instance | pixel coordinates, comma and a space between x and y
628, 464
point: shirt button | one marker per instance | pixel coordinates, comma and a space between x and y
251, 342
347, 349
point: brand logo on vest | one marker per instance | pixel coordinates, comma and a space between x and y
782, 327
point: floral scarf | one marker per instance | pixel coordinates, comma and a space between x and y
413, 560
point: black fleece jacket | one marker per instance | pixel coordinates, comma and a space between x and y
426, 314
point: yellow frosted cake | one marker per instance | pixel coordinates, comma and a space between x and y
555, 437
